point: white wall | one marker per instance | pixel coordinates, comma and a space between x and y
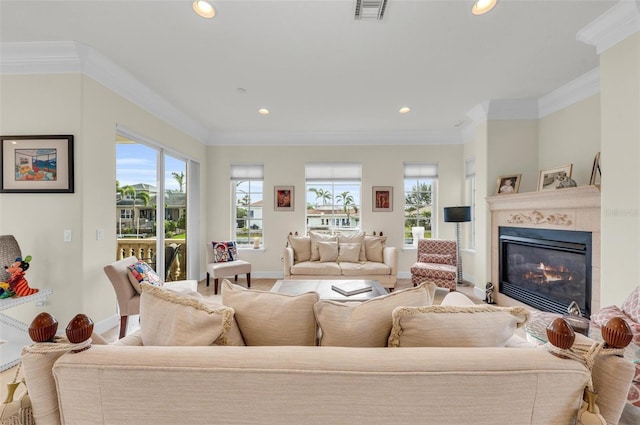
74, 104
285, 165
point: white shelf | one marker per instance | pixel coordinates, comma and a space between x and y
13, 333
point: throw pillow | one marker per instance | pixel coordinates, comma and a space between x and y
301, 248
328, 251
354, 238
267, 318
374, 248
349, 252
631, 306
319, 237
224, 251
366, 324
172, 318
455, 326
437, 259
141, 272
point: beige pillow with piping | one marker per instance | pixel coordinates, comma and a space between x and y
268, 318
374, 247
354, 238
455, 326
319, 237
328, 251
349, 252
171, 318
366, 324
301, 248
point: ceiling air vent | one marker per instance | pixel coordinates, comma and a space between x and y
370, 10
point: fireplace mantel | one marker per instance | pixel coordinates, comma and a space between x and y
575, 208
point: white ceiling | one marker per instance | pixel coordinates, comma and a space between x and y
325, 76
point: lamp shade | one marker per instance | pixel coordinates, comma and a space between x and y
457, 214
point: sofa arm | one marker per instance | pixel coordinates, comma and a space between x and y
287, 260
390, 258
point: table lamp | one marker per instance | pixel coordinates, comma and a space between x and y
457, 215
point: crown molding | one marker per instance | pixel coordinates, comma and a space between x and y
445, 137
69, 57
581, 88
613, 26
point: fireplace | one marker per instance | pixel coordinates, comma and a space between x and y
546, 268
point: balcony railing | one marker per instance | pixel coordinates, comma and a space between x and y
144, 249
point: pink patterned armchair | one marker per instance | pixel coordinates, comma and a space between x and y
437, 263
629, 311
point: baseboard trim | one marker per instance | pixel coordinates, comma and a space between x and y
107, 324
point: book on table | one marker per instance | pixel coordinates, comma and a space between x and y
348, 288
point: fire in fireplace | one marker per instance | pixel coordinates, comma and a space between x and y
546, 269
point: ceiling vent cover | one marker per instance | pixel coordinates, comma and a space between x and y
370, 10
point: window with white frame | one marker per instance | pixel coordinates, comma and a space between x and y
247, 188
419, 200
470, 197
333, 197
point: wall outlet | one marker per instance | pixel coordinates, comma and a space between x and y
67, 235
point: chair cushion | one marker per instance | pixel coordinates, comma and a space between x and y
455, 326
172, 318
224, 251
318, 237
434, 271
366, 324
374, 248
268, 318
437, 259
301, 248
328, 251
141, 272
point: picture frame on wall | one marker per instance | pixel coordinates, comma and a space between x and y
382, 198
36, 164
508, 184
283, 198
595, 170
549, 178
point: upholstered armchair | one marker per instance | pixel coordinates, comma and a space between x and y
220, 269
436, 263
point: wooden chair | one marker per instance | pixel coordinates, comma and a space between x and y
224, 269
437, 263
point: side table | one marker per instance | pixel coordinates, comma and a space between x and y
13, 333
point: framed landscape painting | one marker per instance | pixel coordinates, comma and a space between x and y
36, 164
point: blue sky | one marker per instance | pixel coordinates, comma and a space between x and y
136, 163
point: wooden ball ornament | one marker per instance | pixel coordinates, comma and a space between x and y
617, 333
560, 333
43, 328
79, 329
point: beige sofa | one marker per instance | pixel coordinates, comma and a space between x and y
196, 370
375, 261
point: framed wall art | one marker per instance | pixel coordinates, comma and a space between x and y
36, 164
283, 198
595, 170
548, 179
508, 184
382, 198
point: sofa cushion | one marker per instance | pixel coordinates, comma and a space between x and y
301, 246
366, 324
349, 252
141, 272
455, 326
354, 238
171, 318
328, 251
268, 318
316, 268
367, 268
374, 247
437, 259
319, 237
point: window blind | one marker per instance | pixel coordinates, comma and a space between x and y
247, 171
421, 169
345, 171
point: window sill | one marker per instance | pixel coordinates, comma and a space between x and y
250, 249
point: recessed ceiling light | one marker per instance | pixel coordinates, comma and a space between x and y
204, 9
263, 111
483, 6
404, 110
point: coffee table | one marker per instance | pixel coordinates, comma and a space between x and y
323, 289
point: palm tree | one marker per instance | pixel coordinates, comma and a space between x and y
179, 178
144, 196
325, 195
347, 202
